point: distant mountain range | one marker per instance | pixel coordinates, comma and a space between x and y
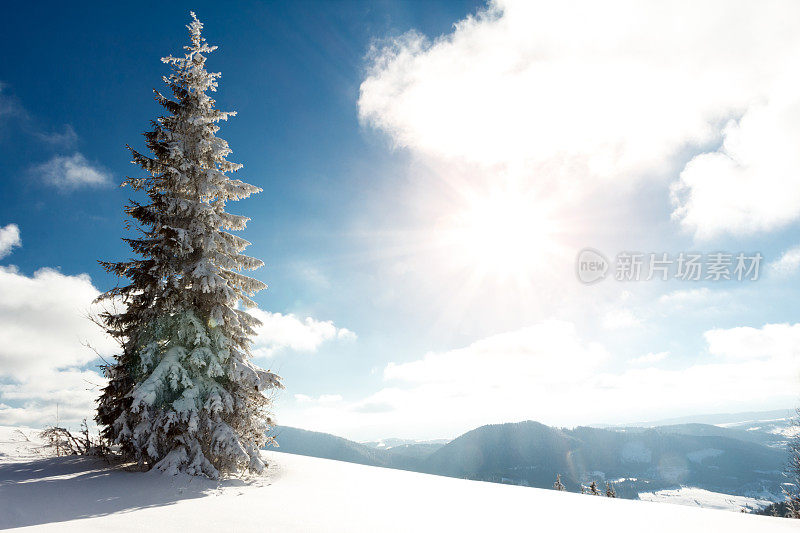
717, 419
405, 455
635, 459
745, 460
396, 443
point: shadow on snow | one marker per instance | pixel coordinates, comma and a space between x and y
59, 489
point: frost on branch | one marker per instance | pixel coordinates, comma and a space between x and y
183, 395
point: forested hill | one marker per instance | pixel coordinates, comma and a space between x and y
529, 453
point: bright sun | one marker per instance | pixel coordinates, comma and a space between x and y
502, 235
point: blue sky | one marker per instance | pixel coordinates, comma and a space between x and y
429, 178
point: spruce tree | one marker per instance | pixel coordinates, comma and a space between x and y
558, 485
183, 395
610, 492
791, 489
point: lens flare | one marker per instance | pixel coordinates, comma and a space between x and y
501, 234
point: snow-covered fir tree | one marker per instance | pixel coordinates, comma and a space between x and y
183, 395
558, 485
791, 489
610, 492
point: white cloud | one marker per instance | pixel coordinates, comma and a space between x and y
571, 95
9, 238
66, 138
528, 355
787, 264
9, 106
752, 183
681, 298
547, 372
69, 394
620, 319
44, 324
71, 172
699, 302
42, 349
649, 358
323, 398
279, 331
774, 342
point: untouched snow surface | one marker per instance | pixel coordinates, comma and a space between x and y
306, 494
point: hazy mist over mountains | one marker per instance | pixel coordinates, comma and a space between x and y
738, 454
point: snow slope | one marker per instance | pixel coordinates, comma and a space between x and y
309, 494
20, 444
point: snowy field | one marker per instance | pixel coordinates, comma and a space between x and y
306, 494
696, 497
